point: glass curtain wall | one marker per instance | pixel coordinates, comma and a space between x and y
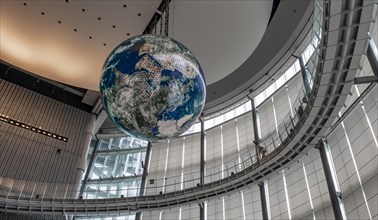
117, 168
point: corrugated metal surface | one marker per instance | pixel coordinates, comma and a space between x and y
30, 156
12, 216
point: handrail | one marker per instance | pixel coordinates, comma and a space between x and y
301, 135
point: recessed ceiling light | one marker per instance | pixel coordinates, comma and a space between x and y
124, 6
139, 14
25, 4
42, 13
83, 9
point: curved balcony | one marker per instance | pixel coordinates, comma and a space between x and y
335, 62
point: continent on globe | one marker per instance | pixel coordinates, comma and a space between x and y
152, 87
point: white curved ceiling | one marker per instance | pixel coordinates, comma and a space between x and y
68, 40
221, 34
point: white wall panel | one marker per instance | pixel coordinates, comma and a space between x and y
172, 213
277, 197
174, 170
190, 212
233, 206
152, 215
213, 153
157, 165
281, 105
245, 133
230, 147
371, 108
297, 191
252, 203
215, 209
192, 158
266, 117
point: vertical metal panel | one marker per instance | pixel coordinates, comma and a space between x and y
67, 130
30, 156
12, 216
336, 199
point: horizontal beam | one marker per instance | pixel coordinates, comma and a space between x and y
108, 136
121, 151
114, 180
365, 79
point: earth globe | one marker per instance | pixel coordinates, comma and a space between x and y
152, 87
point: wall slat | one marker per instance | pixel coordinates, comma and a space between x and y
31, 156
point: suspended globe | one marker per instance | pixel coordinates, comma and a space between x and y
152, 87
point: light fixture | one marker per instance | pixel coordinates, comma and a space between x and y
5, 118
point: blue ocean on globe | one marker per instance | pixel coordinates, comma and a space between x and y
152, 87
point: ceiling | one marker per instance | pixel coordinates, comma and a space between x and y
69, 40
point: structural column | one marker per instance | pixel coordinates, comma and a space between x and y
372, 55
202, 171
256, 129
265, 207
263, 185
82, 161
202, 168
89, 168
332, 184
146, 165
306, 81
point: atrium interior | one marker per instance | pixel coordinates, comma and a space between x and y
289, 129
